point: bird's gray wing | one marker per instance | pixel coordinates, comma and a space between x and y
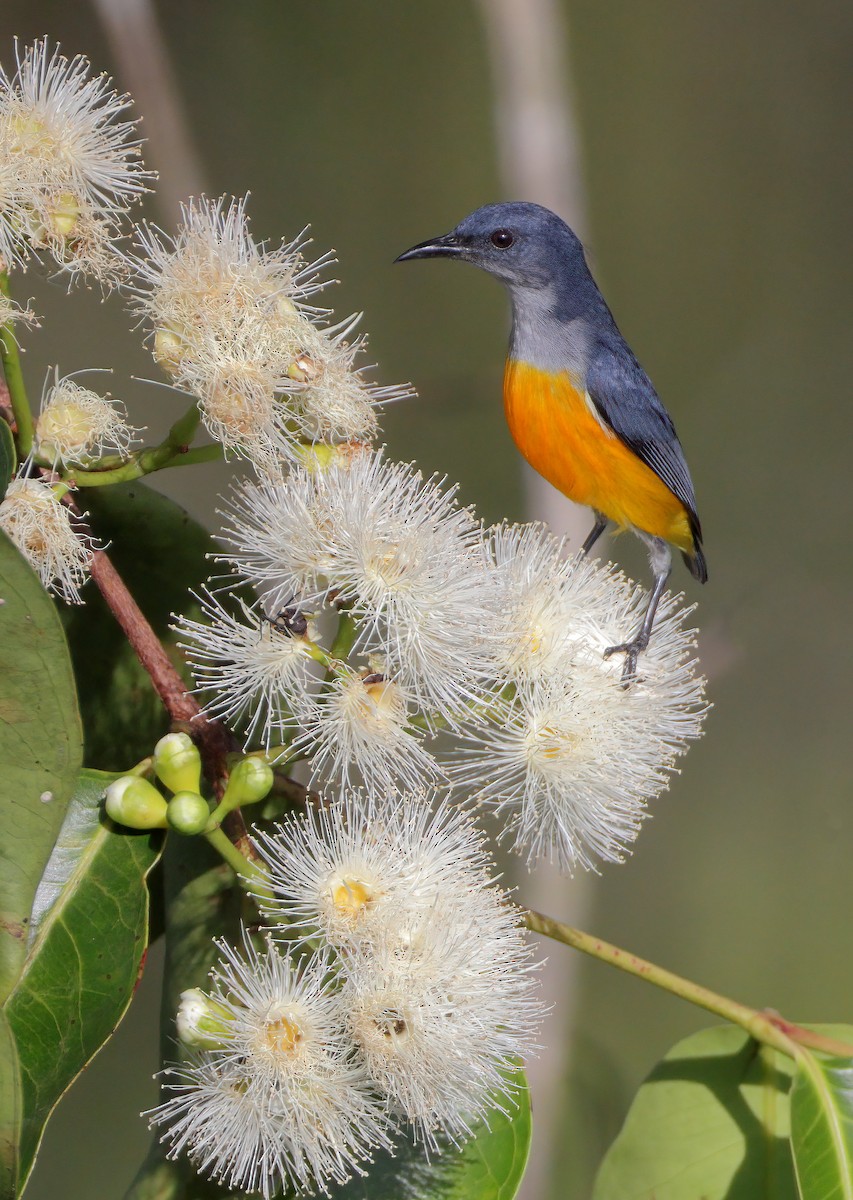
627, 403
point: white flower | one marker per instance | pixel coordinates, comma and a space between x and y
257, 671
393, 548
282, 1102
280, 537
233, 323
71, 163
442, 1005
331, 400
573, 758
348, 869
360, 726
76, 426
42, 529
551, 605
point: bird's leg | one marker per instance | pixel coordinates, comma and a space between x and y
661, 563
594, 533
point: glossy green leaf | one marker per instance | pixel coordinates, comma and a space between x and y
40, 747
84, 954
488, 1167
8, 460
822, 1128
711, 1121
159, 551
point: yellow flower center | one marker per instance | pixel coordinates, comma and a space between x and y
281, 1036
351, 896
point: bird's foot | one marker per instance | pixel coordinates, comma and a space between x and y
632, 651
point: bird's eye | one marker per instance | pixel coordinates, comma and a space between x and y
502, 238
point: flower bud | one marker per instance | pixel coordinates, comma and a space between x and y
188, 813
249, 782
136, 803
201, 1021
177, 763
169, 348
64, 215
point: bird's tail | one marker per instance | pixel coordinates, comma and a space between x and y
696, 564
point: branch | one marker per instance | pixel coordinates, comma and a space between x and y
767, 1027
213, 739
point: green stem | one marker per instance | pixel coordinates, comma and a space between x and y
184, 429
765, 1027
144, 767
15, 379
344, 636
145, 463
221, 844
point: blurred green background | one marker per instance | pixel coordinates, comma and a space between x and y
714, 159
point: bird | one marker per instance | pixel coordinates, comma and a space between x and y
579, 406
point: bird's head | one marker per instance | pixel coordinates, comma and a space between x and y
525, 245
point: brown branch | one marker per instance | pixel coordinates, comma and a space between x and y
212, 737
214, 741
170, 687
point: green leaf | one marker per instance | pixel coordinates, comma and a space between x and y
84, 954
159, 551
8, 460
10, 1110
488, 1167
714, 1119
822, 1128
40, 747
710, 1121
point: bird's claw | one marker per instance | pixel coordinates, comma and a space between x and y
632, 651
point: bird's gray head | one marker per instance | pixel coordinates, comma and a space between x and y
525, 245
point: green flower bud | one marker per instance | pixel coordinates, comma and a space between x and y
249, 782
201, 1021
177, 763
136, 803
188, 812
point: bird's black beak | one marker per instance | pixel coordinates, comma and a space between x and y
440, 247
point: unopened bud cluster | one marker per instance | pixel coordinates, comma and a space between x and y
401, 996
136, 803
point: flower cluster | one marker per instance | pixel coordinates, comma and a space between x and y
497, 637
399, 566
413, 1011
69, 163
233, 323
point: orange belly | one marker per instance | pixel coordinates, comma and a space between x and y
556, 430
